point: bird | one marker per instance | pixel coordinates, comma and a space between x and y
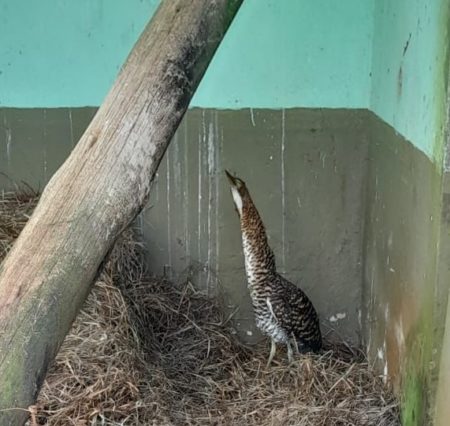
282, 310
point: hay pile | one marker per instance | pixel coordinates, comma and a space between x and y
146, 352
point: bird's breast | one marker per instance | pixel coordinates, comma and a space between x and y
267, 323
270, 327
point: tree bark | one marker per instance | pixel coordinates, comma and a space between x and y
97, 192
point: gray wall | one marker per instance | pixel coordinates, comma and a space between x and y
304, 167
35, 142
405, 273
305, 170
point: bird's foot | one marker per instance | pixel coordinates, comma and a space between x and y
273, 348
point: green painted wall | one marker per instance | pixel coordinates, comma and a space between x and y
277, 54
409, 69
293, 53
64, 52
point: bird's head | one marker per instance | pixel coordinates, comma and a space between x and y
238, 191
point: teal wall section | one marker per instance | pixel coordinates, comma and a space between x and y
409, 69
293, 53
63, 52
277, 54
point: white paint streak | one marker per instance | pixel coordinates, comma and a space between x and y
211, 148
8, 139
169, 225
177, 188
323, 156
283, 192
201, 141
369, 310
252, 117
176, 166
339, 316
217, 160
45, 145
156, 187
210, 159
199, 198
45, 163
185, 196
390, 240
380, 353
72, 142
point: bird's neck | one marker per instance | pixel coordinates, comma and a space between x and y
259, 258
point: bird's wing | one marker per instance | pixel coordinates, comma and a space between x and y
301, 317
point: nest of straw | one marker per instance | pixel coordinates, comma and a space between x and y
144, 351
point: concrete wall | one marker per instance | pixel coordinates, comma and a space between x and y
405, 284
442, 363
305, 170
34, 142
400, 280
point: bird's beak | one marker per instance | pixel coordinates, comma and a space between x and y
230, 178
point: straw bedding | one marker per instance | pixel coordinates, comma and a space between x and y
144, 351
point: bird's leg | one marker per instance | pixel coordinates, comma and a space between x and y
294, 340
289, 351
273, 348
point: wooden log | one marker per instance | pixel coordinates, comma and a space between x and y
97, 192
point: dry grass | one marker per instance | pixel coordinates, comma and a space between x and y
145, 352
15, 210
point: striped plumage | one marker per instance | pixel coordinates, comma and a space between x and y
282, 311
